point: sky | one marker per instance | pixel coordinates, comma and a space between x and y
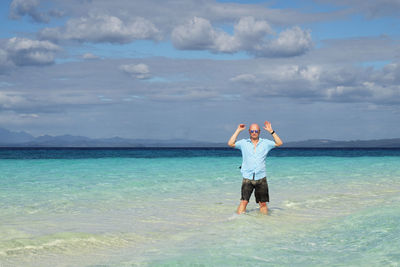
195, 69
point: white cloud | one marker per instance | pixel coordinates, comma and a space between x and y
198, 34
249, 31
103, 28
391, 73
286, 72
20, 8
30, 115
246, 78
138, 71
290, 42
327, 83
19, 44
250, 35
89, 56
25, 52
10, 100
311, 73
166, 15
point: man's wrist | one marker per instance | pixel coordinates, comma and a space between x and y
272, 132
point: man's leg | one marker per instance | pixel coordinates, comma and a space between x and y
247, 190
263, 207
262, 195
242, 206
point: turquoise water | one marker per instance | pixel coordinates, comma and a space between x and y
173, 207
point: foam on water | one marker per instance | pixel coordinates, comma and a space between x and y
180, 211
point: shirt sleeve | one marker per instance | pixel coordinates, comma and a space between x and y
270, 144
238, 144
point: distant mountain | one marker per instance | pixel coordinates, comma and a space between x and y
23, 139
8, 137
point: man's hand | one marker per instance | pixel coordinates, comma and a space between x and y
267, 126
241, 127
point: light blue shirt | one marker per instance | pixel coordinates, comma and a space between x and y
253, 164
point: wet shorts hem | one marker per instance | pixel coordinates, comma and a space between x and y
260, 188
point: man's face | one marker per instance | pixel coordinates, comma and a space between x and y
254, 131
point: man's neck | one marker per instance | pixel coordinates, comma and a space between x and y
254, 141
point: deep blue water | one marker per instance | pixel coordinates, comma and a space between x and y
82, 153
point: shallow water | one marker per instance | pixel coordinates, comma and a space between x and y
173, 207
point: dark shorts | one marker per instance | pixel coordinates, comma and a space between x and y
261, 189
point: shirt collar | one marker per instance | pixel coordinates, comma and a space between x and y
259, 140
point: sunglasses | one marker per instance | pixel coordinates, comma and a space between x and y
254, 131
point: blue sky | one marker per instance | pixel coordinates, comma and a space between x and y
181, 69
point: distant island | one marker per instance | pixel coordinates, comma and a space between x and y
23, 139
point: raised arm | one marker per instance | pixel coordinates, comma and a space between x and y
232, 140
268, 127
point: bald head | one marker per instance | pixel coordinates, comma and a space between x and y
254, 131
254, 126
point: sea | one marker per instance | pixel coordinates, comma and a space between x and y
177, 207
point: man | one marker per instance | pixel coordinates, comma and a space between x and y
254, 152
